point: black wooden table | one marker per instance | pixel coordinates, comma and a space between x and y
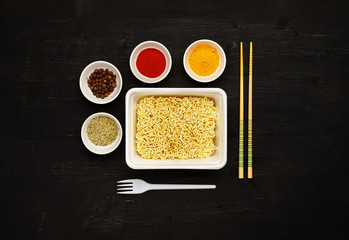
52, 187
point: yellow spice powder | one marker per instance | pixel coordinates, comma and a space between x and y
204, 60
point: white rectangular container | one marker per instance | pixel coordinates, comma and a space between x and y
215, 161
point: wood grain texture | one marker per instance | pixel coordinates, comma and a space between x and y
53, 188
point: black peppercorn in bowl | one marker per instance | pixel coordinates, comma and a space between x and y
100, 82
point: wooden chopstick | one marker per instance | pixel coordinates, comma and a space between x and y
249, 155
241, 128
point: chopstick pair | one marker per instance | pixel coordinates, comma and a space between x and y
241, 125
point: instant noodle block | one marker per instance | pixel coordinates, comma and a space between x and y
159, 113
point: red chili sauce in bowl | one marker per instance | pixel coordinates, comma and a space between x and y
151, 62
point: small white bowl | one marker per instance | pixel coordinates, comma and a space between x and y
101, 150
219, 70
142, 46
86, 91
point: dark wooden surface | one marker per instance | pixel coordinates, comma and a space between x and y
52, 187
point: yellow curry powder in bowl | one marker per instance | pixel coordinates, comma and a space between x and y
204, 60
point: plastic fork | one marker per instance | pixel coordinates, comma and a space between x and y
138, 186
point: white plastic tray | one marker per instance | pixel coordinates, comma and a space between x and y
215, 161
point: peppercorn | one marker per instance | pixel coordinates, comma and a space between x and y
102, 82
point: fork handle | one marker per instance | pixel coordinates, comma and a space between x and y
179, 186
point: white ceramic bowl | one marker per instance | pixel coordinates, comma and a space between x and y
221, 66
86, 91
215, 161
140, 48
100, 149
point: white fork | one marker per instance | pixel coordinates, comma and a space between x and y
137, 186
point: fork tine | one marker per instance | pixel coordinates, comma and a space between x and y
125, 181
127, 192
124, 190
124, 185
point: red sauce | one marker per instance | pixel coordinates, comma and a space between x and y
151, 62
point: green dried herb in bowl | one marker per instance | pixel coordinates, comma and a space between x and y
102, 131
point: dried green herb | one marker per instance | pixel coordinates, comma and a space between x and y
102, 131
